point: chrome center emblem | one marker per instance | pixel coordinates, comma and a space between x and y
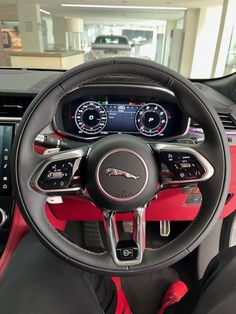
121, 173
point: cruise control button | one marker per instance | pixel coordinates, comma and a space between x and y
62, 184
182, 175
57, 175
183, 166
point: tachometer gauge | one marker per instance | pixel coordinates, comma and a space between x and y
90, 117
151, 119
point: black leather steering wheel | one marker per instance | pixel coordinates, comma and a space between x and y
108, 167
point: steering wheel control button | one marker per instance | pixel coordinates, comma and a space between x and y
56, 175
184, 166
126, 250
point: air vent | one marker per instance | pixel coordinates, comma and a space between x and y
225, 118
14, 106
227, 121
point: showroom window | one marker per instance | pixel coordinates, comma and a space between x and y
187, 39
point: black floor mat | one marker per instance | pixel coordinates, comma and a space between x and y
144, 293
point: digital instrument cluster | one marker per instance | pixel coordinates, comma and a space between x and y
99, 114
93, 117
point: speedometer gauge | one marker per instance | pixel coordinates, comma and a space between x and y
90, 117
151, 119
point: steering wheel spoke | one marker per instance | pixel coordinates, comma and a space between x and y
126, 252
60, 173
181, 165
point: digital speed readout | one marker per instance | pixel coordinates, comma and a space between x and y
90, 117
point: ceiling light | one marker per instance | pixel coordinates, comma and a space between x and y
44, 11
131, 7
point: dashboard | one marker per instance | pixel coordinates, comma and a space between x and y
95, 111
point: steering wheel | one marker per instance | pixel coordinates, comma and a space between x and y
120, 173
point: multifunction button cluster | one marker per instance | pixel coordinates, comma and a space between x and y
184, 166
59, 175
5, 178
6, 132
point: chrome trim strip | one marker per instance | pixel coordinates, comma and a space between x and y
110, 227
209, 170
200, 131
4, 217
186, 131
10, 119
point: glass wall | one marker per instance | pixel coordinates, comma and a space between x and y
90, 35
60, 37
230, 66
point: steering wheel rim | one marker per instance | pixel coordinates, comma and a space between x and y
215, 149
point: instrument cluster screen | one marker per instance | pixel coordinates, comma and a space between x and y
120, 117
96, 116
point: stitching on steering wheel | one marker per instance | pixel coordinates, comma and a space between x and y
112, 75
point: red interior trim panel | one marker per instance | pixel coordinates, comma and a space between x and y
18, 230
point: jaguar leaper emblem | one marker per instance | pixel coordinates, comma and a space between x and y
120, 173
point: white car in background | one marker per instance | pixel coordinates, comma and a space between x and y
106, 46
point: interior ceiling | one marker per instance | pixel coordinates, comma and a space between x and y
8, 9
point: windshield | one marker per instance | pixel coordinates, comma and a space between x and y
195, 38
